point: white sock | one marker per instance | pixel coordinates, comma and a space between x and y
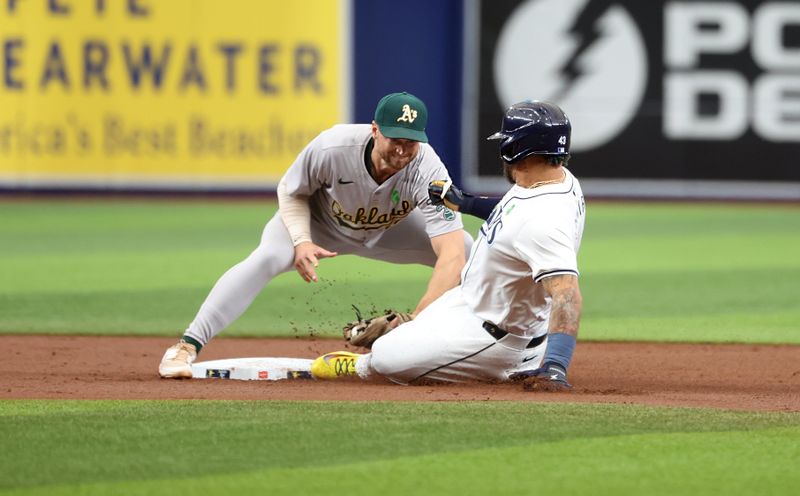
362, 366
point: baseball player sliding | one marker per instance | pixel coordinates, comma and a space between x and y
516, 313
355, 189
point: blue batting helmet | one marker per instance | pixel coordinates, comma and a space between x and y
533, 128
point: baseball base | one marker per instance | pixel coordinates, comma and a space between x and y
253, 369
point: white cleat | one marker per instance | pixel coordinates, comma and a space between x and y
177, 361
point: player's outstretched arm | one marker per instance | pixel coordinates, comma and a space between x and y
446, 193
449, 249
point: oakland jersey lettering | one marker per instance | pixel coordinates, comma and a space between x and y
374, 219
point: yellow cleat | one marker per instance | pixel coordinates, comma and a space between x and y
335, 365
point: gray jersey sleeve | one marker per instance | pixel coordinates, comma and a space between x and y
310, 170
438, 219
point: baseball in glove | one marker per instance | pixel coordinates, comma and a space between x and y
364, 332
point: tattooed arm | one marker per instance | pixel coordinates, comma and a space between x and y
565, 314
565, 317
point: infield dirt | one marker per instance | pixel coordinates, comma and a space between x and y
745, 377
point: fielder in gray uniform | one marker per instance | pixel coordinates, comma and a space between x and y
517, 310
355, 189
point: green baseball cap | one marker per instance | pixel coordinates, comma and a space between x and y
402, 115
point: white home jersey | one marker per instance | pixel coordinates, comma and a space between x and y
343, 196
531, 234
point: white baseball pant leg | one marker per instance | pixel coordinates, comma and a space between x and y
447, 342
238, 287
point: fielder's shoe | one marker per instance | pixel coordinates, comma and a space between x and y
177, 361
338, 364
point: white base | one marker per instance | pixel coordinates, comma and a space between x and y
253, 369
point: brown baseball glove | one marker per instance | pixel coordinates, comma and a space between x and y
364, 332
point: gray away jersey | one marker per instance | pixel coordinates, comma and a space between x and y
330, 171
531, 234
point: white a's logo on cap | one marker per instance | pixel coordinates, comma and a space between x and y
409, 114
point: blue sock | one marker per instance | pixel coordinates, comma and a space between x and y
560, 347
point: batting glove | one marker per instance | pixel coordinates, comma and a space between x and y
548, 377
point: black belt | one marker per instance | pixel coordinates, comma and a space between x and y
499, 334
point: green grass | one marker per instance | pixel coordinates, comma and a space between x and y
238, 447
709, 273
692, 273
663, 272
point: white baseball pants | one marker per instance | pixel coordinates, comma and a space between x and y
447, 342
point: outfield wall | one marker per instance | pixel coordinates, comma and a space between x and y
669, 99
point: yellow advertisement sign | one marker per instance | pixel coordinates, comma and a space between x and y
175, 93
